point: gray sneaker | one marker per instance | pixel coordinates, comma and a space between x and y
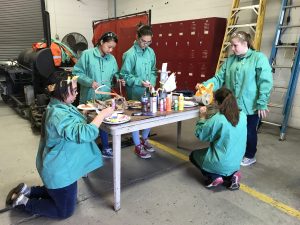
107, 153
147, 146
247, 162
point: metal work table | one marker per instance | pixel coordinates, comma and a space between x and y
140, 123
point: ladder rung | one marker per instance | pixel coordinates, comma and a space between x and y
288, 26
274, 86
275, 105
246, 7
275, 124
291, 6
243, 25
286, 46
281, 66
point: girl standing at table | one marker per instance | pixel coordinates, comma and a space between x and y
67, 151
139, 72
96, 67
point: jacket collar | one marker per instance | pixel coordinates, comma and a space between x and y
69, 107
98, 54
248, 53
138, 48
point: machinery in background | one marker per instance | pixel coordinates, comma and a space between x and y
23, 83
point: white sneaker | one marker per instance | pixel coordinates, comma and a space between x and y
20, 200
247, 162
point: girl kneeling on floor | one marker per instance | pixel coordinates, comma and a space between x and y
67, 152
226, 131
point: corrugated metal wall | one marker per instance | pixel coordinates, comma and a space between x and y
21, 24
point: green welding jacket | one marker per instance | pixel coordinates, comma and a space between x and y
67, 151
93, 67
138, 65
249, 78
227, 144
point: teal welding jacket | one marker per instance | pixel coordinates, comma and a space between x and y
249, 78
138, 65
93, 67
227, 144
68, 150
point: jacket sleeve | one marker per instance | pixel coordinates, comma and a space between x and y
81, 70
219, 79
116, 70
129, 63
70, 129
264, 80
207, 130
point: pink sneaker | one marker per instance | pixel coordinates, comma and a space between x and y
215, 182
148, 147
235, 181
141, 152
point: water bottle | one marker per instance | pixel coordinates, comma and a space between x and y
153, 103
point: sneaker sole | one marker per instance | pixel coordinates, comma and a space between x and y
248, 164
107, 156
234, 187
144, 157
12, 192
151, 150
214, 185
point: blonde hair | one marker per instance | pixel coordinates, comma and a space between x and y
243, 36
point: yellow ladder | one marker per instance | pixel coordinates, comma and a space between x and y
239, 12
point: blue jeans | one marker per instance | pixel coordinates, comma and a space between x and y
252, 124
104, 139
136, 136
54, 203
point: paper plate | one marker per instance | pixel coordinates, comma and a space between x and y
121, 118
88, 106
190, 104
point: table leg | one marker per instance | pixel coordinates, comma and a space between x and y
117, 171
178, 133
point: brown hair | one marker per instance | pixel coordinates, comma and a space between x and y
228, 105
143, 30
243, 36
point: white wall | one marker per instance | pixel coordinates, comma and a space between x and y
176, 10
75, 16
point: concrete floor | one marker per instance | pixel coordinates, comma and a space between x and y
163, 190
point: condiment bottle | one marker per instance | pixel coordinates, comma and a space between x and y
180, 102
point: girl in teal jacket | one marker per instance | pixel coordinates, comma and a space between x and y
247, 73
226, 132
67, 152
97, 66
139, 72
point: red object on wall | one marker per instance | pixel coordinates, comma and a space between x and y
191, 48
125, 28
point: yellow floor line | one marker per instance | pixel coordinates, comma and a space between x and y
281, 206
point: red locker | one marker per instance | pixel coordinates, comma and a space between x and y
192, 47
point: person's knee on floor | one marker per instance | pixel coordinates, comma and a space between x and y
66, 213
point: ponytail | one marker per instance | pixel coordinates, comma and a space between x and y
228, 105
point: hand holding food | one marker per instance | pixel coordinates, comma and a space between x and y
103, 114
